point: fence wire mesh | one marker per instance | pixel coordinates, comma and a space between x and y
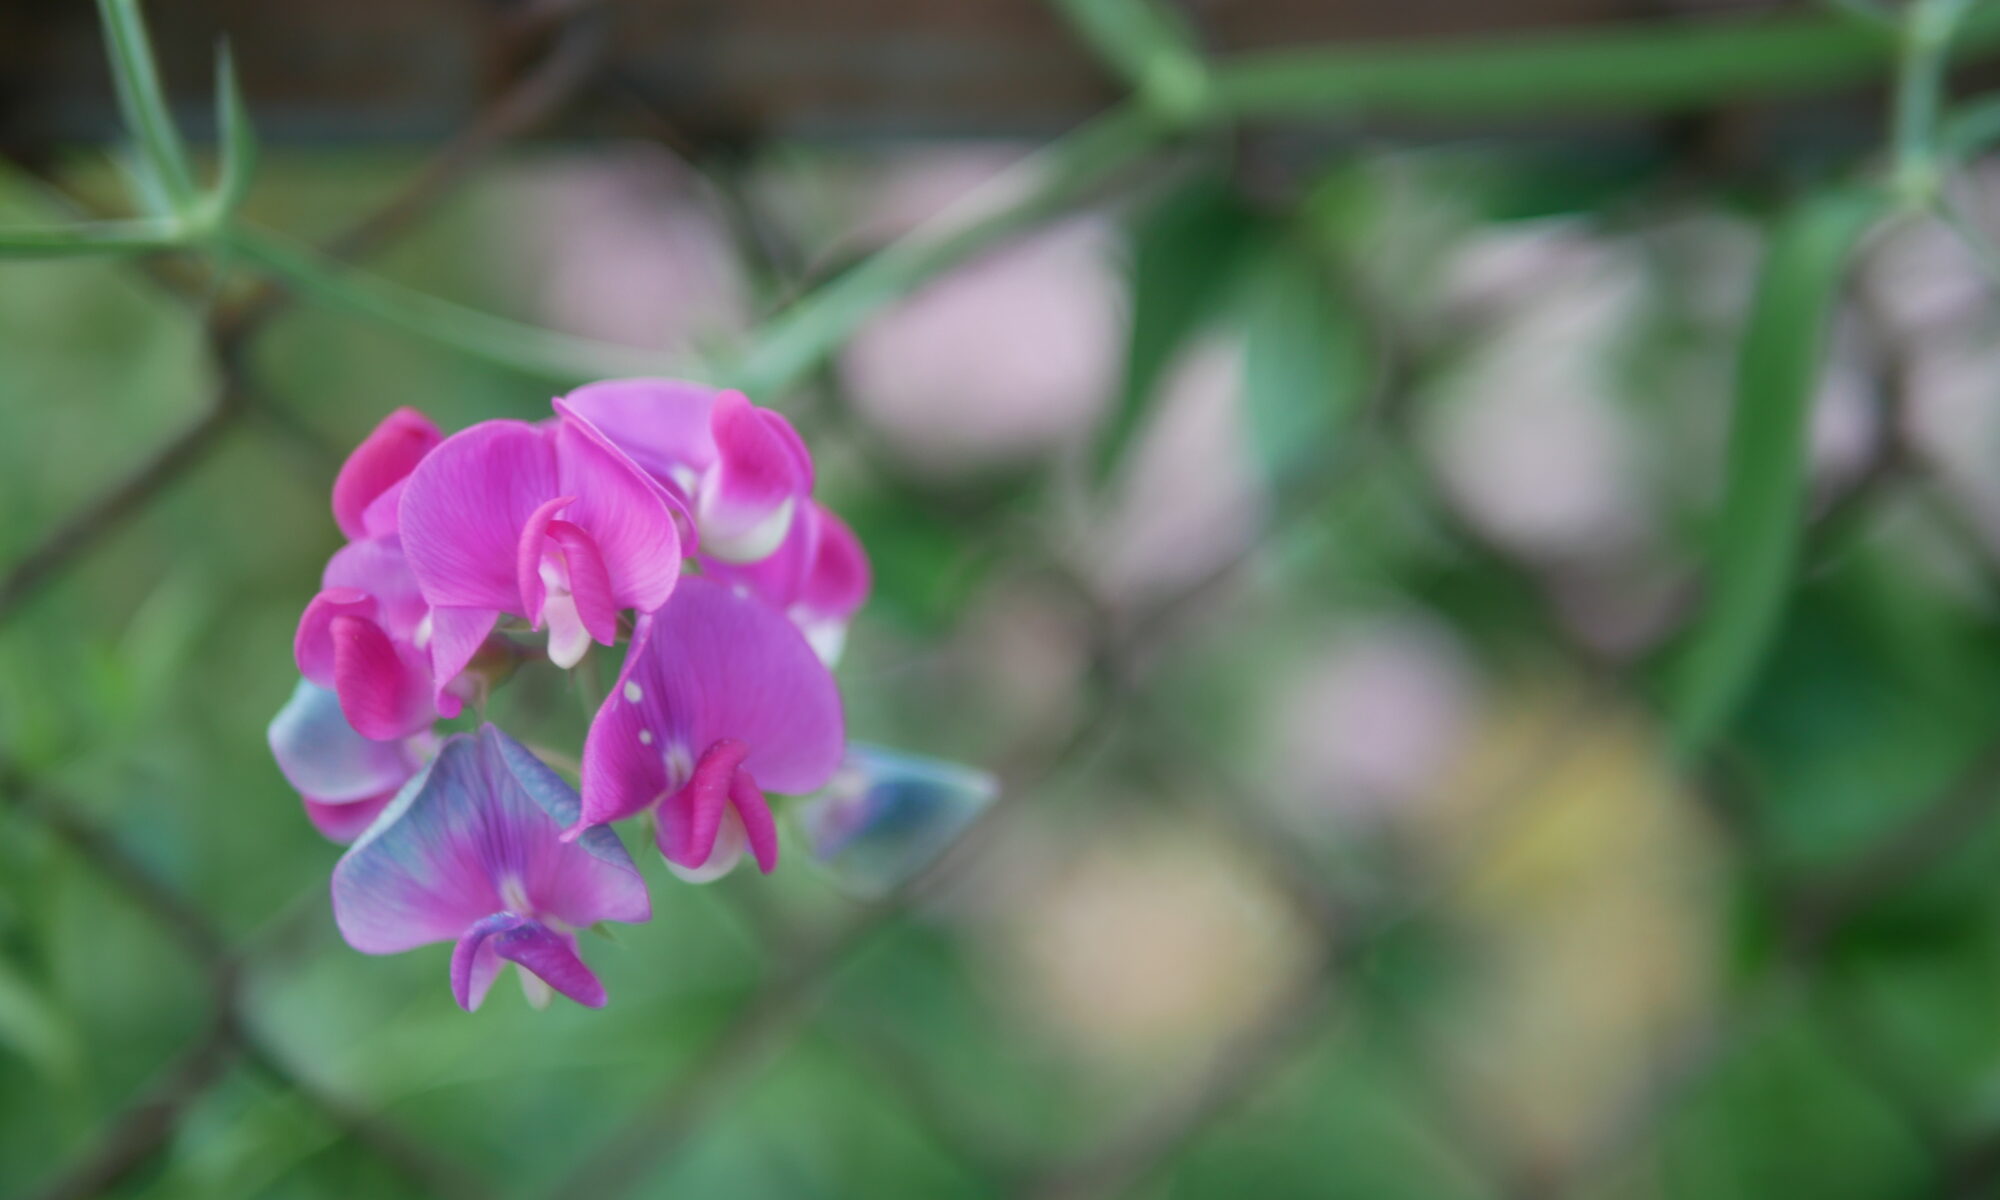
1366, 916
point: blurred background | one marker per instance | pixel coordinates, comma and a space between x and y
1481, 593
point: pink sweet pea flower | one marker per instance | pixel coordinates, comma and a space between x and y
345, 779
371, 480
819, 578
720, 697
743, 470
471, 851
363, 638
555, 525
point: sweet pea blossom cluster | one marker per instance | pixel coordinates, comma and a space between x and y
674, 518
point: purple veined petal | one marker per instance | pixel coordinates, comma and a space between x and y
661, 424
534, 947
322, 756
631, 518
475, 960
747, 498
463, 510
384, 691
476, 833
888, 816
345, 820
382, 460
712, 664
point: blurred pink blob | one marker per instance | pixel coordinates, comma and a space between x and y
1369, 718
1008, 357
626, 245
1186, 501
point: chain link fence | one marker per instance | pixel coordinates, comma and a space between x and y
1369, 912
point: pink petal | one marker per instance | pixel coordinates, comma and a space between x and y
662, 424
690, 818
589, 581
381, 461
749, 495
456, 635
377, 566
384, 693
343, 821
479, 832
839, 580
312, 644
628, 514
475, 961
711, 665
528, 557
464, 508
758, 825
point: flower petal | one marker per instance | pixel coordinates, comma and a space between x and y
382, 460
475, 960
760, 829
456, 636
464, 508
628, 514
476, 833
384, 693
712, 664
323, 757
552, 958
690, 818
346, 820
749, 495
887, 816
662, 424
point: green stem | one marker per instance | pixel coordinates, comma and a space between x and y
533, 351
1928, 29
1146, 44
101, 237
144, 104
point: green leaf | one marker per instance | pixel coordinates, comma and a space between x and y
1186, 252
1754, 553
144, 105
1304, 364
237, 138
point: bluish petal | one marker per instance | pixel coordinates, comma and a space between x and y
887, 816
475, 961
478, 833
323, 757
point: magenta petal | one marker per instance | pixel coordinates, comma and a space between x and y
758, 825
383, 694
377, 567
629, 516
589, 581
479, 832
312, 645
662, 424
748, 497
528, 557
463, 510
712, 664
345, 820
381, 461
456, 635
839, 580
691, 818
